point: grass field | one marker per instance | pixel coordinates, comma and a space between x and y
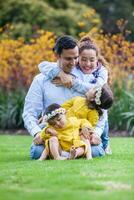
110, 177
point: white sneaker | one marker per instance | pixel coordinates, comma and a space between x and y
108, 150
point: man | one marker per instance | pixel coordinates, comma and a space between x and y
43, 92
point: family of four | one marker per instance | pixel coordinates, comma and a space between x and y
66, 106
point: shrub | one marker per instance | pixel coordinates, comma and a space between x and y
121, 114
11, 107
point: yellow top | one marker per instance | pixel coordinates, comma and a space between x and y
69, 135
78, 107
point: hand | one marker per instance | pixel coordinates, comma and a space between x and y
40, 120
95, 139
57, 81
85, 131
91, 131
66, 79
37, 139
63, 79
51, 131
90, 94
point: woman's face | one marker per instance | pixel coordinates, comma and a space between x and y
88, 61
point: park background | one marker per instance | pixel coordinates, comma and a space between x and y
28, 30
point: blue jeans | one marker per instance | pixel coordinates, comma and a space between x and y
36, 151
105, 136
97, 150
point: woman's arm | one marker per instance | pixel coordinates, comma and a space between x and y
82, 86
49, 69
93, 117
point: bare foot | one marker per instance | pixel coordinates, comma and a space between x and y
61, 158
89, 157
73, 154
41, 159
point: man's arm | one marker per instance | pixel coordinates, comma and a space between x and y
33, 106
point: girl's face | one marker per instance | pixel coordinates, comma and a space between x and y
91, 94
88, 61
59, 121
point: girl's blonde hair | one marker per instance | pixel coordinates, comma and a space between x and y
87, 43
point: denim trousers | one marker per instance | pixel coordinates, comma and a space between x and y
105, 136
97, 150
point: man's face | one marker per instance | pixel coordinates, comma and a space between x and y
68, 59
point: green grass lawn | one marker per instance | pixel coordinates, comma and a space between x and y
110, 177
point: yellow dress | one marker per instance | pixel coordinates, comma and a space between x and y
78, 107
69, 135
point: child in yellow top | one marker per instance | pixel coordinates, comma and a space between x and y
89, 108
66, 135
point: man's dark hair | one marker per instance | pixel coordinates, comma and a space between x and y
64, 42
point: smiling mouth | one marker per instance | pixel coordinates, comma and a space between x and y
87, 68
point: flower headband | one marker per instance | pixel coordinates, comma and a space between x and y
54, 113
98, 95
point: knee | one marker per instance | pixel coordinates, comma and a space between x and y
36, 151
97, 151
53, 139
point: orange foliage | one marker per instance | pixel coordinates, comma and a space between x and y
118, 51
19, 61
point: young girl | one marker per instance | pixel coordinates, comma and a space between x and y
89, 108
65, 135
91, 73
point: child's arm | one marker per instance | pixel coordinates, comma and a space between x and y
83, 86
51, 131
69, 103
86, 128
102, 76
86, 132
93, 117
51, 70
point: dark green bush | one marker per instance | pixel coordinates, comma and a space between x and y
60, 17
11, 107
121, 116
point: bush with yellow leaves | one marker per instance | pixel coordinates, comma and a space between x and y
19, 60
